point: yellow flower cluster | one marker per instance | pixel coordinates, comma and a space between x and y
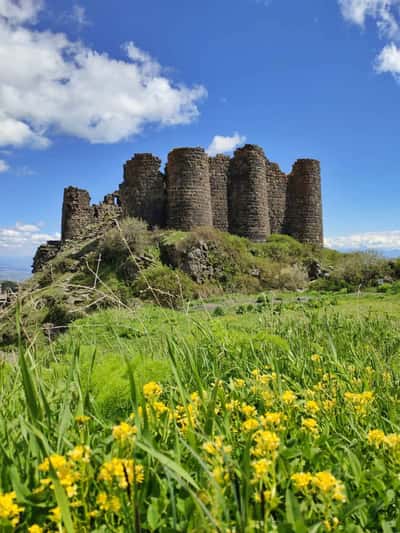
310, 425
124, 432
218, 453
65, 470
9, 509
378, 438
266, 443
124, 471
289, 397
108, 503
217, 447
360, 401
35, 529
322, 483
152, 390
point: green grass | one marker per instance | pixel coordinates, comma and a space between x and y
216, 445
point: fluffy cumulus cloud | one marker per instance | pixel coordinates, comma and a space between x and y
222, 145
386, 14
23, 239
3, 166
380, 241
54, 85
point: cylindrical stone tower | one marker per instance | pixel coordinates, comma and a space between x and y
76, 213
304, 203
248, 194
277, 190
142, 193
188, 189
219, 170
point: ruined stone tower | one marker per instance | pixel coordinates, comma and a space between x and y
76, 213
304, 202
188, 189
142, 193
248, 194
219, 173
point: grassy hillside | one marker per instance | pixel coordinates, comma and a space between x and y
128, 265
260, 415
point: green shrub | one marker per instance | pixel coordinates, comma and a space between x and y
161, 284
131, 236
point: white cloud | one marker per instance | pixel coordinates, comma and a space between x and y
20, 11
55, 85
3, 166
23, 239
389, 60
221, 144
384, 12
79, 15
386, 240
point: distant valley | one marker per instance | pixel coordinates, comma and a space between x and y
15, 268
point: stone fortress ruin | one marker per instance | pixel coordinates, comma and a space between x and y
246, 195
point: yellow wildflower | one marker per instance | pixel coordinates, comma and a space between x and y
311, 406
248, 411
328, 405
238, 383
267, 397
35, 529
124, 432
302, 480
266, 442
80, 453
392, 440
82, 419
220, 475
310, 424
250, 424
327, 483
9, 509
273, 419
261, 468
108, 503
315, 358
217, 446
123, 471
360, 401
55, 514
232, 405
152, 390
159, 407
288, 397
376, 437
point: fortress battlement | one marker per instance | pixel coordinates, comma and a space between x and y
246, 195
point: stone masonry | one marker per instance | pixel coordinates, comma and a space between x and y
304, 202
143, 192
188, 189
219, 173
246, 195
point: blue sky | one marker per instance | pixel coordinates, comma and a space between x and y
85, 85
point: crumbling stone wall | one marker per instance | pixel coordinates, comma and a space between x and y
248, 194
142, 192
277, 191
44, 254
188, 189
76, 213
219, 171
304, 202
107, 212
